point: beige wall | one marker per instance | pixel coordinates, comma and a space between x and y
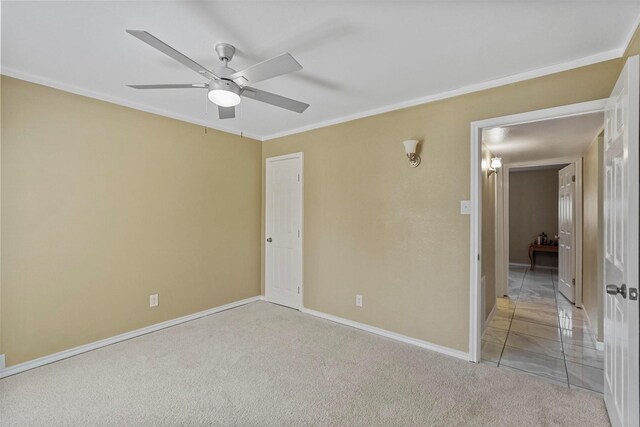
104, 205
488, 250
593, 235
533, 209
394, 234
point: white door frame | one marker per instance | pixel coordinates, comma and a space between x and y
300, 156
504, 262
475, 315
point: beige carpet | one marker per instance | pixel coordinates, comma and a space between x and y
262, 365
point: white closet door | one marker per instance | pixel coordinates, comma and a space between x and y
566, 225
283, 221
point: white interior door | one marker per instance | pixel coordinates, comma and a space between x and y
283, 223
621, 249
567, 237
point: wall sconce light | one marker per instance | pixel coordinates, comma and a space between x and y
494, 167
410, 148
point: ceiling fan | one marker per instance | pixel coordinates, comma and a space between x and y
227, 85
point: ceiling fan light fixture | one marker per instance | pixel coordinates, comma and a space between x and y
224, 93
226, 85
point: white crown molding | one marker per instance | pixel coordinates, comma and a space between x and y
10, 72
636, 24
515, 78
388, 334
528, 75
21, 367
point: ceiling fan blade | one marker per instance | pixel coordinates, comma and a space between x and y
172, 86
282, 64
273, 99
226, 112
169, 51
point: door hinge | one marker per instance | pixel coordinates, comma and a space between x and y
298, 290
573, 178
298, 233
298, 177
573, 282
478, 257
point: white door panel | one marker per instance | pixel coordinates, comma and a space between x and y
621, 248
283, 223
566, 227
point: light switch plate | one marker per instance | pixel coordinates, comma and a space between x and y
465, 207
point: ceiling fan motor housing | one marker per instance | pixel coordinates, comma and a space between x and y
224, 84
223, 72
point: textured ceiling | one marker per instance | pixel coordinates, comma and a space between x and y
549, 139
359, 57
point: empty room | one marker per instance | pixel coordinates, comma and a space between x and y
266, 213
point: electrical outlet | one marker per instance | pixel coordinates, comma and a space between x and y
359, 300
153, 300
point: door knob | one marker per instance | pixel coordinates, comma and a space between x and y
614, 290
269, 239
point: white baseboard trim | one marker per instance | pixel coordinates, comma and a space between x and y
493, 311
599, 344
519, 264
45, 360
388, 334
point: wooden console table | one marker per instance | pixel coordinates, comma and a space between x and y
533, 248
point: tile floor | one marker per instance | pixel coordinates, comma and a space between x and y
538, 331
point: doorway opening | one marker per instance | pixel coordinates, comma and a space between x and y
531, 315
612, 213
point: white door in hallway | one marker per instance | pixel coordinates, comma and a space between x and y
283, 226
621, 248
566, 227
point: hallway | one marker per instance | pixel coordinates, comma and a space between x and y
536, 330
